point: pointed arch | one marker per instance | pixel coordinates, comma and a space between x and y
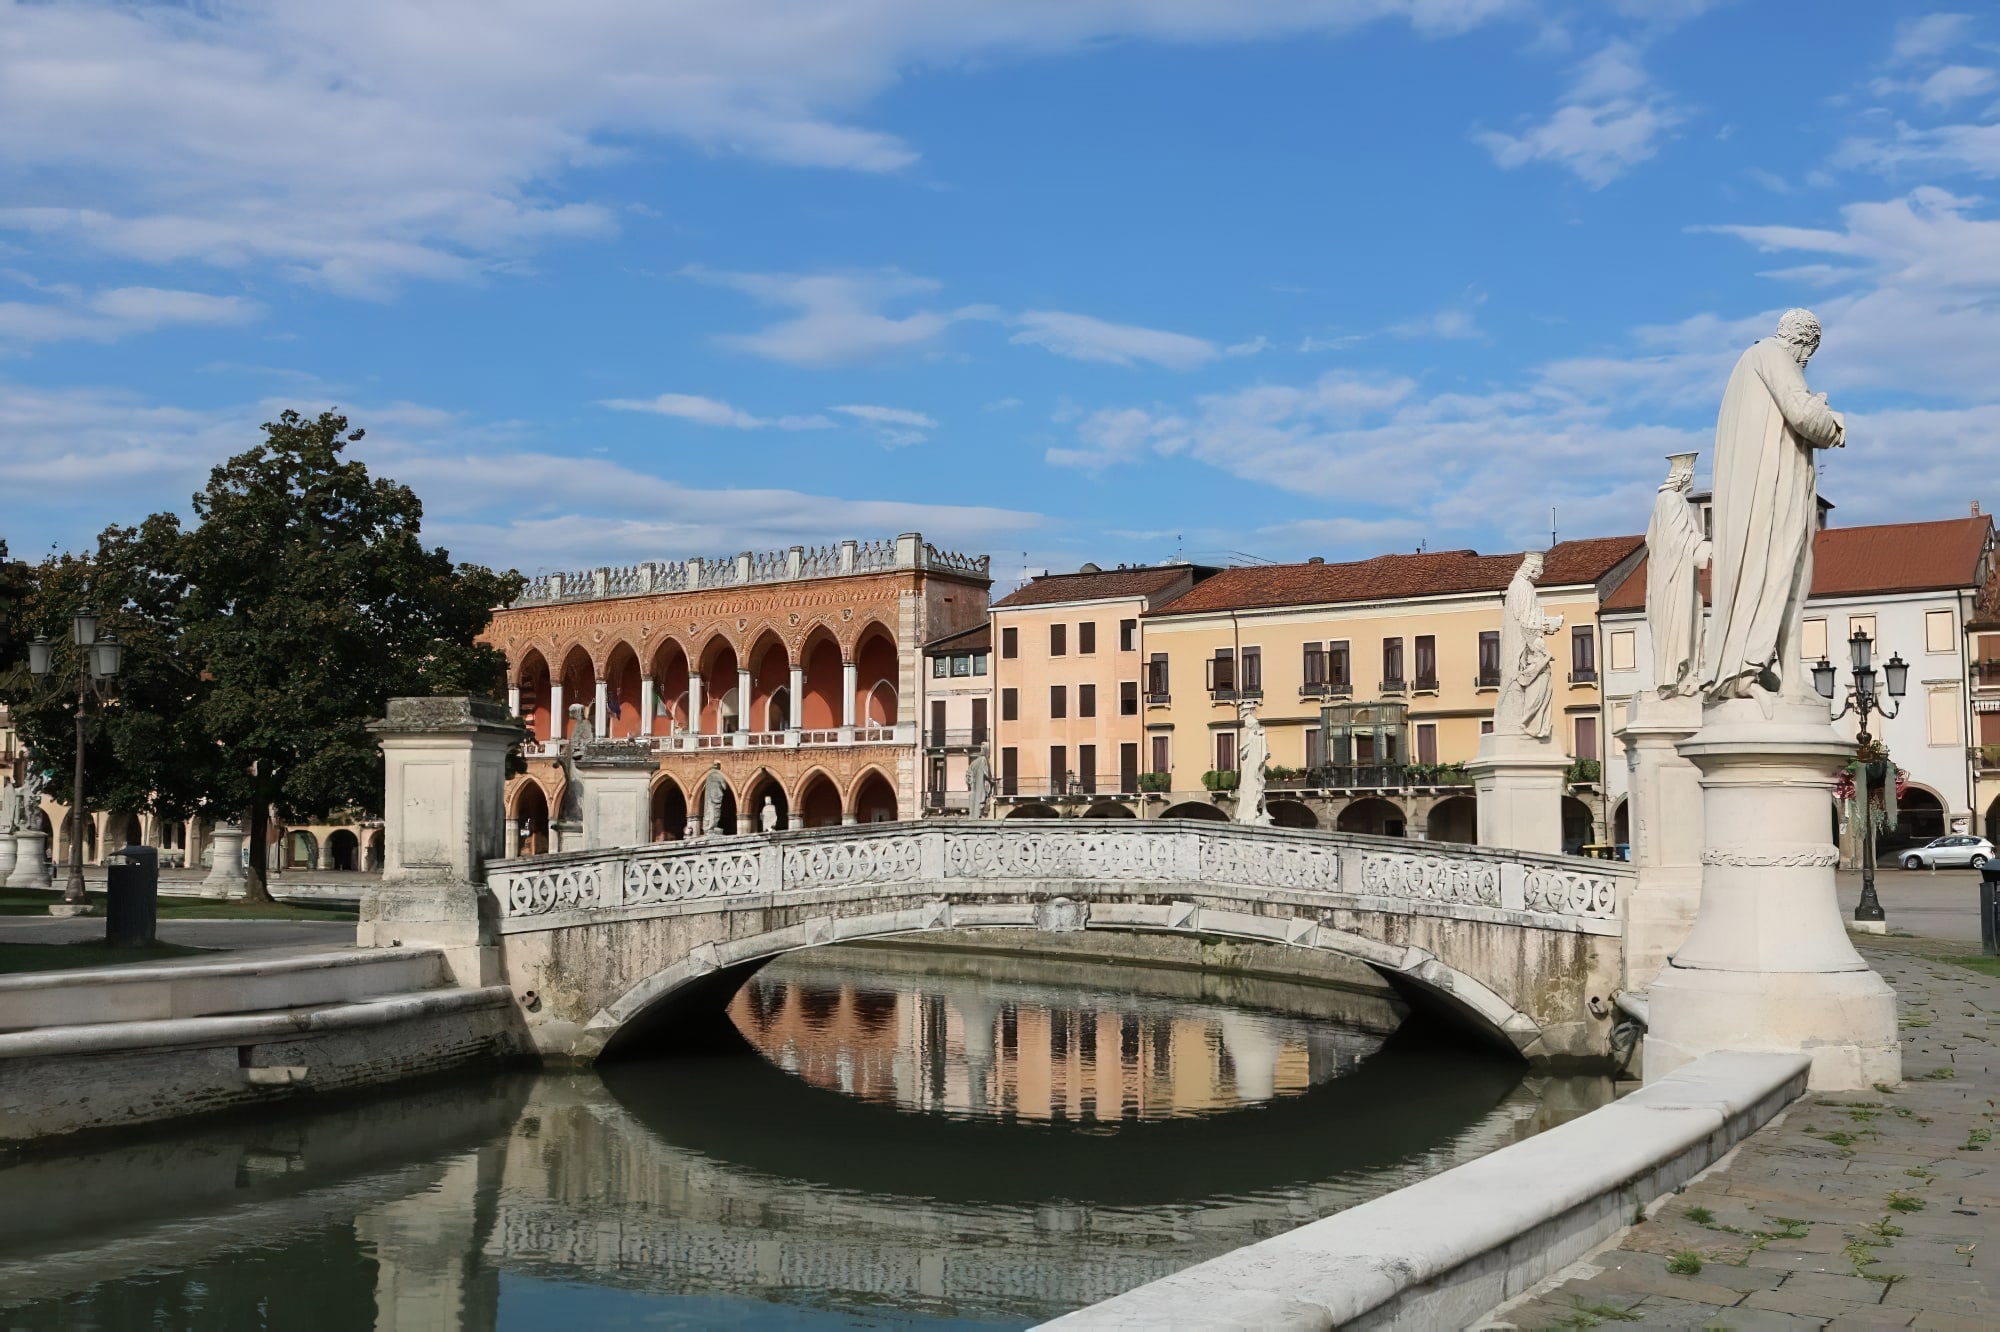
622, 690
770, 664
821, 657
816, 800
532, 678
668, 666
871, 798
878, 676
579, 686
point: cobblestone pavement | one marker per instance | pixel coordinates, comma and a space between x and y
192, 933
1853, 1210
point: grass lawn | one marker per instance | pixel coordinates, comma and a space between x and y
19, 957
35, 902
1985, 966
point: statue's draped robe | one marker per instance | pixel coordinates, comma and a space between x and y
1765, 516
1253, 752
1527, 686
713, 788
978, 787
1673, 597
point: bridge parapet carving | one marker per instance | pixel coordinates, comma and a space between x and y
999, 856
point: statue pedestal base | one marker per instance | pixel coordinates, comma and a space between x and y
616, 796
1666, 831
1768, 965
1519, 782
31, 866
225, 869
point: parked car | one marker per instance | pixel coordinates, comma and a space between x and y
1943, 852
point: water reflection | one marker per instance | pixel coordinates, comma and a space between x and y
911, 1174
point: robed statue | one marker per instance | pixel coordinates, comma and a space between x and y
1766, 514
1675, 551
1527, 672
713, 788
570, 814
978, 785
1253, 755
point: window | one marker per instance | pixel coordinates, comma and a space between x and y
1862, 624
1058, 768
1427, 661
1427, 742
1313, 673
978, 721
1943, 715
1392, 663
1222, 672
1156, 677
1160, 753
1486, 726
1489, 658
937, 771
1058, 639
1586, 737
1938, 636
1225, 751
979, 663
1010, 705
1582, 654
1128, 635
1128, 768
1058, 701
1010, 643
1812, 642
1086, 638
961, 663
1128, 698
1339, 678
1086, 700
1625, 649
1086, 769
1315, 747
1252, 674
939, 668
937, 723
1010, 771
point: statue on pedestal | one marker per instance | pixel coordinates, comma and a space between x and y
978, 786
1527, 672
767, 817
570, 815
1253, 755
1675, 550
713, 788
1766, 512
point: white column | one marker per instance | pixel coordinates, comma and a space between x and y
745, 720
694, 703
601, 706
556, 715
797, 721
648, 700
514, 699
847, 685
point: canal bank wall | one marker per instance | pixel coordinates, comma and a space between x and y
107, 1048
1444, 1251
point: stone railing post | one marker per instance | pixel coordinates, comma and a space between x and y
225, 869
445, 772
909, 551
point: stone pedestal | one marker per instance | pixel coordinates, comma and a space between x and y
445, 769
616, 777
6, 853
31, 863
1519, 782
1768, 965
1664, 806
226, 874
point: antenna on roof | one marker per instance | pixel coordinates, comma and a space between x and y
1552, 527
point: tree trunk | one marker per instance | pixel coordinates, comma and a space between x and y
256, 887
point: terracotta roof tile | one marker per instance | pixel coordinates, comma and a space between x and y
1856, 561
1435, 573
1051, 589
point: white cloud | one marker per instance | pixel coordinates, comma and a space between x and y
710, 411
1606, 123
1931, 35
1084, 338
896, 427
106, 315
839, 319
360, 145
1452, 324
1955, 82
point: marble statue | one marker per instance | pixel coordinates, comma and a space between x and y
1675, 549
692, 830
8, 818
28, 799
713, 788
767, 817
1253, 755
1527, 672
1766, 514
978, 785
570, 815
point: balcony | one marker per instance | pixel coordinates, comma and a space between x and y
1987, 757
1486, 680
1986, 673
1159, 698
688, 744
1393, 687
1371, 777
1586, 675
1421, 686
1327, 689
947, 802
969, 738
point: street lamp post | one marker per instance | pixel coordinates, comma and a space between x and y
1863, 700
98, 659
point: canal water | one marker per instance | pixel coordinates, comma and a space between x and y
906, 1139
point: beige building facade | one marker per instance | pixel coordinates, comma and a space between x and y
956, 688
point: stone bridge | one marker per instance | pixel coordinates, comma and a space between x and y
615, 949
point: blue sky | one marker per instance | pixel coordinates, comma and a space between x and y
1055, 279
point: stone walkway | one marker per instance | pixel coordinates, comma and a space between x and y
1853, 1210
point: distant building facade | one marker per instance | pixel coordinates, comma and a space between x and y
957, 691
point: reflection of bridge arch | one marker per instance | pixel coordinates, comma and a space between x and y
620, 942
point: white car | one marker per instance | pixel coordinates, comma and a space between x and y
1942, 852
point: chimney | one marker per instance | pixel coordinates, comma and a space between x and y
1975, 508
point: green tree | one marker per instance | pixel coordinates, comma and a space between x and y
310, 600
